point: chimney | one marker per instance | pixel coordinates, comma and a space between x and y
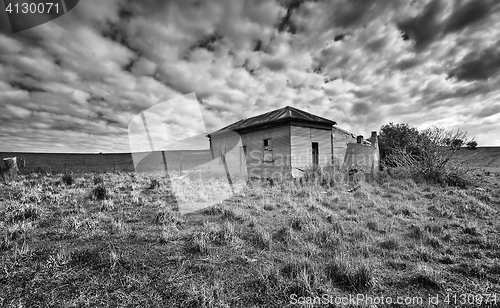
359, 139
373, 138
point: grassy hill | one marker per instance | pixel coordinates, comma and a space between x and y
121, 242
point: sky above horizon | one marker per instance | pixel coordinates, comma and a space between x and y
74, 84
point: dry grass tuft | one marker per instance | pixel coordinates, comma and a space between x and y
168, 216
67, 179
349, 274
427, 277
390, 244
18, 212
285, 235
198, 243
262, 238
99, 192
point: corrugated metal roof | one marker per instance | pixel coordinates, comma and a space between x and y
344, 131
284, 113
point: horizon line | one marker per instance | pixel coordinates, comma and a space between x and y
208, 149
98, 153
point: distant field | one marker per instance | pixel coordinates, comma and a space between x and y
485, 158
59, 162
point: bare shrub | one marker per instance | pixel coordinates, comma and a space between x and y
428, 158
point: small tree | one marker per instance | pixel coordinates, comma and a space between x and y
472, 145
398, 137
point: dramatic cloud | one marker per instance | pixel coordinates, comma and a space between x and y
470, 12
479, 65
425, 27
439, 18
75, 83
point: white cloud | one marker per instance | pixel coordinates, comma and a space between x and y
17, 111
91, 71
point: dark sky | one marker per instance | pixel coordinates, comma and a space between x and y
74, 84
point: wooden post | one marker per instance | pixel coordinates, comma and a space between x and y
169, 183
180, 166
331, 143
223, 157
114, 167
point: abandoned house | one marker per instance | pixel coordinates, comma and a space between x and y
286, 141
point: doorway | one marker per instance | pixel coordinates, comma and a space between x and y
315, 153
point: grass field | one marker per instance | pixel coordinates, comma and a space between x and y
118, 240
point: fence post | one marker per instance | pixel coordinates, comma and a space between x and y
114, 167
227, 172
180, 166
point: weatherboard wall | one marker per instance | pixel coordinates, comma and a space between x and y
277, 163
301, 139
253, 159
